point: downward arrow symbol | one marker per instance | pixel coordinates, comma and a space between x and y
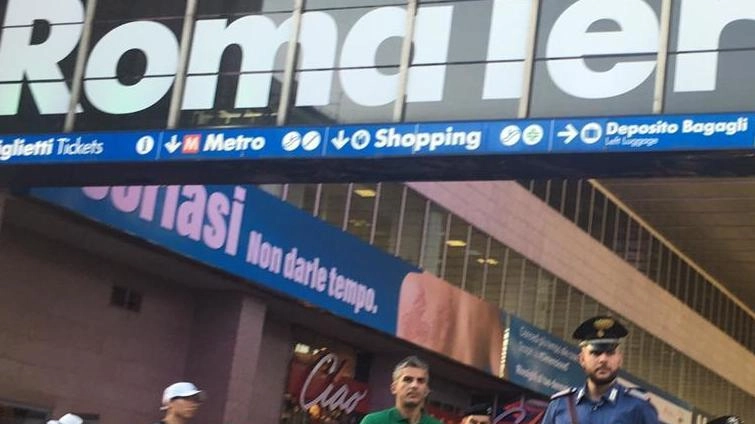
569, 133
172, 145
341, 140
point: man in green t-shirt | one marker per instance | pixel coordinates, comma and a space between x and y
410, 387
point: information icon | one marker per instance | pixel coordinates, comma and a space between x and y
145, 145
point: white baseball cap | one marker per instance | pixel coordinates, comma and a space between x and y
180, 389
67, 419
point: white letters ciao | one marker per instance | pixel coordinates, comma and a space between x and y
340, 399
259, 38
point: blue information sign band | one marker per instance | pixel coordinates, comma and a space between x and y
654, 133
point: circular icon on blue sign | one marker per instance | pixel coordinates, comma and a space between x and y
591, 133
360, 139
145, 145
533, 134
510, 135
311, 140
291, 141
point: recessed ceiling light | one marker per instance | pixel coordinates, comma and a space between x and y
365, 192
456, 243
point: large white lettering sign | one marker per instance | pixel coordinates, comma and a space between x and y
259, 39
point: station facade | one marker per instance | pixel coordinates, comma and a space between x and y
106, 301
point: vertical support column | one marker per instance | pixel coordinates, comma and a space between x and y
187, 32
224, 353
78, 70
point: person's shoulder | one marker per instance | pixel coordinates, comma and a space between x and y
428, 419
637, 393
376, 417
564, 393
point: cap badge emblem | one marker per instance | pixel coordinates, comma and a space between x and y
602, 325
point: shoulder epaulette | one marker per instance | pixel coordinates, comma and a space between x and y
563, 393
638, 392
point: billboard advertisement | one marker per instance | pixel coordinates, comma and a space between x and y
250, 234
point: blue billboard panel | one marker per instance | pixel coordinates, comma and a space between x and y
246, 232
540, 361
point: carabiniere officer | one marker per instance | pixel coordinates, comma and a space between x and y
602, 400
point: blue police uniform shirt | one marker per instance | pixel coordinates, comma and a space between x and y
619, 405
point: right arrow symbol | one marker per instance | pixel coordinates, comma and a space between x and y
569, 133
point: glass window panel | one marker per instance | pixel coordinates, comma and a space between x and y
225, 113
631, 348
497, 266
457, 95
435, 240
303, 196
412, 227
456, 248
733, 91
697, 292
275, 190
544, 293
333, 4
551, 99
556, 193
333, 203
716, 303
663, 264
707, 301
597, 222
589, 307
28, 117
572, 195
388, 216
574, 318
477, 263
512, 284
559, 322
540, 188
620, 240
242, 7
609, 225
654, 354
387, 53
728, 307
552, 11
527, 308
340, 105
686, 287
640, 247
644, 356
586, 196
139, 9
669, 271
361, 210
470, 26
132, 109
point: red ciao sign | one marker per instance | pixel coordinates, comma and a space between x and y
320, 384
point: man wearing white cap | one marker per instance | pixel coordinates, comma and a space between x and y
67, 419
181, 402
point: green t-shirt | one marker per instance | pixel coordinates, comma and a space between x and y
391, 416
